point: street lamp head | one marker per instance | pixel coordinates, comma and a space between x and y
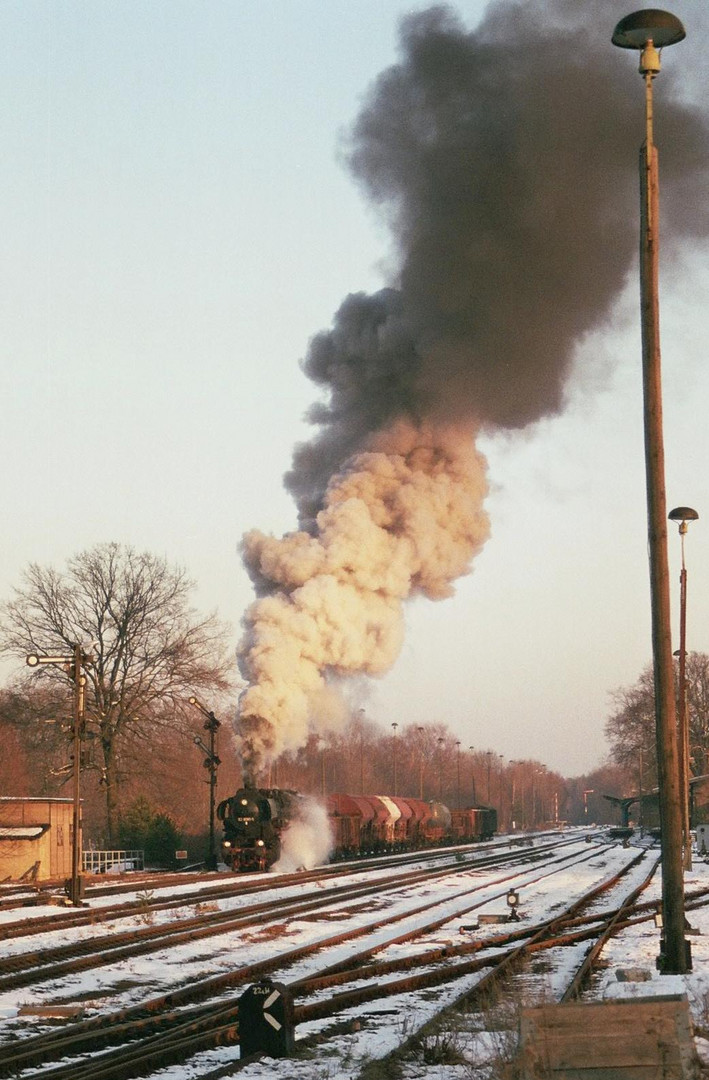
32, 660
683, 515
660, 27
192, 700
648, 31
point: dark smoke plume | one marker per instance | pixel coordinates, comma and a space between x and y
504, 161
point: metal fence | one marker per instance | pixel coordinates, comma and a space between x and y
101, 862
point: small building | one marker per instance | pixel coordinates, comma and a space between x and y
35, 838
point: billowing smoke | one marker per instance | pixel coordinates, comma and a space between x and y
308, 840
503, 160
402, 517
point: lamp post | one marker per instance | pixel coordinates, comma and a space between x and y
457, 763
537, 802
513, 795
394, 728
472, 775
420, 731
488, 754
360, 714
211, 762
647, 31
641, 811
74, 666
441, 741
683, 515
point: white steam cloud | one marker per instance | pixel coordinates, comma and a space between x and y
401, 518
308, 840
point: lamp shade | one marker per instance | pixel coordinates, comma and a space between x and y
651, 24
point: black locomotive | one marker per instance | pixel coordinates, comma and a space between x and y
254, 820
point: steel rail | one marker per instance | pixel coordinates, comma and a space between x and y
90, 1034
34, 896
240, 886
499, 965
544, 939
529, 936
25, 969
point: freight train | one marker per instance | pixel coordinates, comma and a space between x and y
255, 819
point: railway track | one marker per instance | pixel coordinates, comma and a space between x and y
31, 967
46, 894
163, 1028
100, 885
499, 983
164, 897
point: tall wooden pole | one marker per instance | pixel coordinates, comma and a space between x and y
673, 959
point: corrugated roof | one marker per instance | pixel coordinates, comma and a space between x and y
32, 798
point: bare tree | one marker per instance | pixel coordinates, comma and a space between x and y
630, 728
697, 677
150, 649
33, 721
587, 794
14, 769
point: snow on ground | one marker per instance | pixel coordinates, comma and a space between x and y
378, 1027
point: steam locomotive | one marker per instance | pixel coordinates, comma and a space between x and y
255, 819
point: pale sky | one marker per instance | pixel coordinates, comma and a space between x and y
177, 223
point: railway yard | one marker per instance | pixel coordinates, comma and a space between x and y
401, 967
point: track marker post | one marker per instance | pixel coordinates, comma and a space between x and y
266, 1020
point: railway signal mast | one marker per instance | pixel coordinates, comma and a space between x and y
211, 762
74, 666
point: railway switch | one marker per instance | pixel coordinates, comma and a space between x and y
266, 1020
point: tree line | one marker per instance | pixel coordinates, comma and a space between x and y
148, 651
630, 728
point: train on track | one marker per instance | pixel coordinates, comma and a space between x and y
254, 821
